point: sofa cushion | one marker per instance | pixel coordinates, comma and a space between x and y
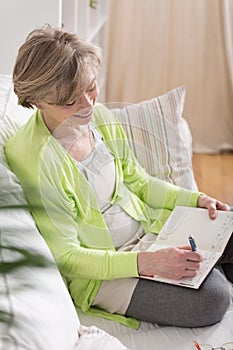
9, 102
160, 137
41, 312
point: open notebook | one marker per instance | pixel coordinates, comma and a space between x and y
211, 237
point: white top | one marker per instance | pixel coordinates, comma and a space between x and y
99, 170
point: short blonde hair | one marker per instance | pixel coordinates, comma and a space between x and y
54, 64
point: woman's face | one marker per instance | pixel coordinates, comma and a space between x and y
80, 109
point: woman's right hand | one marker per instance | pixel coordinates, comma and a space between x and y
173, 263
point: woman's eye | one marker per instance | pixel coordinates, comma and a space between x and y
70, 104
92, 88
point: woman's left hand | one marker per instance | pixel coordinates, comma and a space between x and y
212, 205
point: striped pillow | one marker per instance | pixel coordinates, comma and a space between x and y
160, 137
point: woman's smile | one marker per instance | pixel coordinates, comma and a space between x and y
83, 115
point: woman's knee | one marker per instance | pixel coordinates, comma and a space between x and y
215, 299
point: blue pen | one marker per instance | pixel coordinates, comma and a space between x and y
192, 244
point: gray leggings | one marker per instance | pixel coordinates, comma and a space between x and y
166, 304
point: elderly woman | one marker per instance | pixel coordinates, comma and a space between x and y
93, 203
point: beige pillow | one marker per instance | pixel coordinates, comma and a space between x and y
160, 137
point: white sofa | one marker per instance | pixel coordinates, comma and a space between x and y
41, 313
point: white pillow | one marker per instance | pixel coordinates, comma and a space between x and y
93, 338
9, 102
160, 137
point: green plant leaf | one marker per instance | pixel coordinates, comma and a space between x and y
93, 4
26, 259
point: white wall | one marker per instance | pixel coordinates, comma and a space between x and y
17, 19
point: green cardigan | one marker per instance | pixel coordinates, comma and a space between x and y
65, 209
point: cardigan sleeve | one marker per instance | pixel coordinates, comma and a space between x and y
76, 261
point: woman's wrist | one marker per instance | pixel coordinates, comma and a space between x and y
144, 264
140, 259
